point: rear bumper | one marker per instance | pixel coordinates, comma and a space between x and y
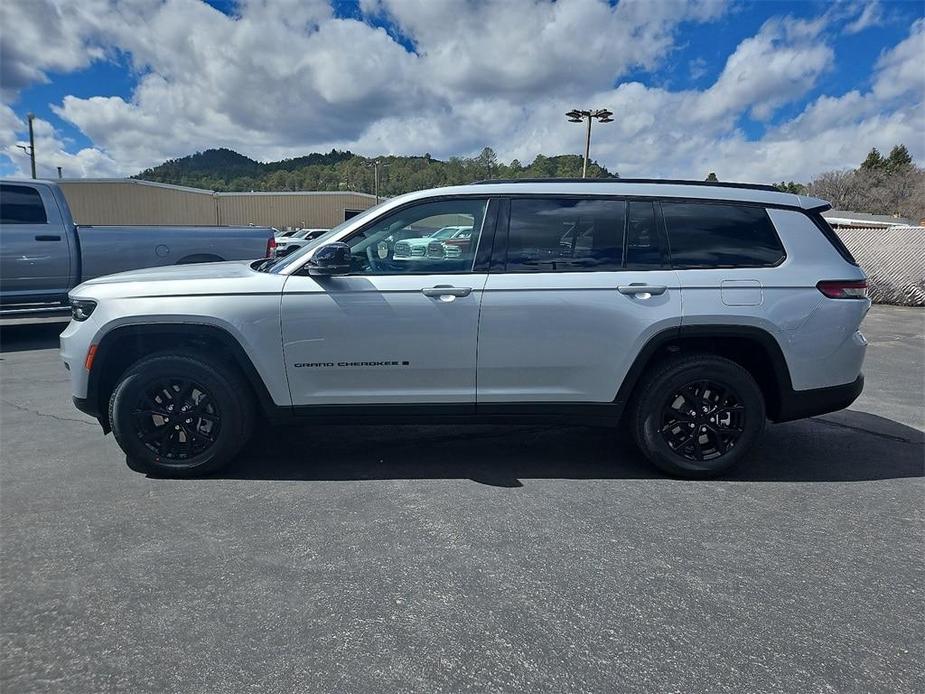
799, 404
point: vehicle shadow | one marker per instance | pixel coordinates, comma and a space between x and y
844, 447
21, 337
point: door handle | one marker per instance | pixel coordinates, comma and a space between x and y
639, 288
447, 290
47, 237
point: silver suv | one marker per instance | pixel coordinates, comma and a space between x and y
693, 312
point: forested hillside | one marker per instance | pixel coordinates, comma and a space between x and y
226, 170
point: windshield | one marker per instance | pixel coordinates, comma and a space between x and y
295, 256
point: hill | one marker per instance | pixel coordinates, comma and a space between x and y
227, 170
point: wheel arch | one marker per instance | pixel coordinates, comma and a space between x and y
755, 349
124, 345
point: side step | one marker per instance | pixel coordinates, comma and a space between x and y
26, 311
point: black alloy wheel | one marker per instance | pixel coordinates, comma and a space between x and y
703, 420
176, 419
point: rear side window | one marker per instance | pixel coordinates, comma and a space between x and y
565, 235
709, 235
832, 237
21, 205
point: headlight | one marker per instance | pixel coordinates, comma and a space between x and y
81, 309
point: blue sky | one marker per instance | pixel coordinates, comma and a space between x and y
759, 90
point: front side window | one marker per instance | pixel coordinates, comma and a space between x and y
711, 235
432, 238
21, 205
565, 235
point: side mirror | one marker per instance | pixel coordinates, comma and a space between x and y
330, 259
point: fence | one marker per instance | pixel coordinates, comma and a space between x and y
894, 259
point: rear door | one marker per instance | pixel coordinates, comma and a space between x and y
576, 288
34, 253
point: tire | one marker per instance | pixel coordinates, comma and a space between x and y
206, 405
689, 445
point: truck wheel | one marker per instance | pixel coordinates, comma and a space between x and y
697, 416
179, 415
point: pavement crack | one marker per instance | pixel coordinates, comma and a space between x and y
890, 437
23, 408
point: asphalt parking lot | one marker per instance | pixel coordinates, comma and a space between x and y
450, 559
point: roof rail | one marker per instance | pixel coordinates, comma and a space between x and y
665, 181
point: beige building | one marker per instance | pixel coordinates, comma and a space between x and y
129, 201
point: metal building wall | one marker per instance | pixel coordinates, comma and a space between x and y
128, 201
136, 202
307, 210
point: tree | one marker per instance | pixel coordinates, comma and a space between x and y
898, 159
488, 161
874, 161
712, 177
791, 187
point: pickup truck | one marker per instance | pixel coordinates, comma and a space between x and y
44, 254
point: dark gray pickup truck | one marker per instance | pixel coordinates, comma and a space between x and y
43, 253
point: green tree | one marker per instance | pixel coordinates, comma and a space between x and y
874, 161
898, 158
712, 177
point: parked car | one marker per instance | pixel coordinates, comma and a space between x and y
307, 234
416, 248
43, 253
692, 311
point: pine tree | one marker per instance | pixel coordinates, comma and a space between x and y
712, 177
874, 161
898, 159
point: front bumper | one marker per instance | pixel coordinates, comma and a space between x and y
799, 404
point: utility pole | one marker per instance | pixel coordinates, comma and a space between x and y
581, 116
59, 173
30, 150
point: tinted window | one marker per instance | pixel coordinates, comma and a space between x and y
563, 235
704, 235
643, 241
21, 205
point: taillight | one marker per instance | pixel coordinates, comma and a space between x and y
843, 289
271, 247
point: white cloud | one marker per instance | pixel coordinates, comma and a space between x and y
284, 77
871, 15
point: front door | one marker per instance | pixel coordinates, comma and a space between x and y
401, 328
569, 303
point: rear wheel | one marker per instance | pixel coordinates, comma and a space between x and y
179, 415
698, 416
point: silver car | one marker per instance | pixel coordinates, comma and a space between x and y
693, 312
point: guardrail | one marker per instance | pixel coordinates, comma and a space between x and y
894, 259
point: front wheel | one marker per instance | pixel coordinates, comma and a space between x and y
697, 416
179, 415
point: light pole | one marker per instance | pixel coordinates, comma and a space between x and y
375, 164
30, 150
579, 116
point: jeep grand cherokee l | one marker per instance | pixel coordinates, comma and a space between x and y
694, 312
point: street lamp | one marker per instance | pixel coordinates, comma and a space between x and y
30, 150
579, 116
376, 163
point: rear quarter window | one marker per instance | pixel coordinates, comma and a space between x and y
712, 235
